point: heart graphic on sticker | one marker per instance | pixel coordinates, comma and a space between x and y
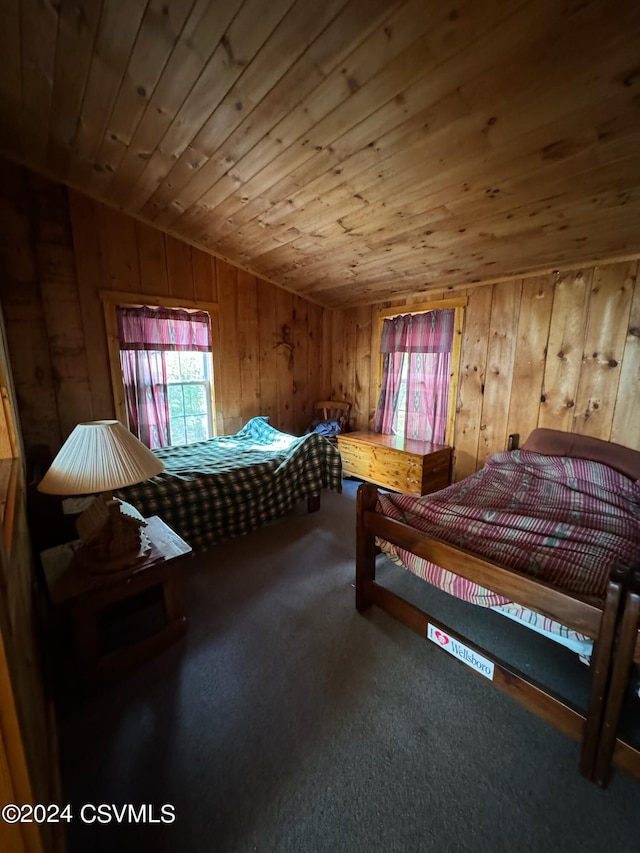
442, 638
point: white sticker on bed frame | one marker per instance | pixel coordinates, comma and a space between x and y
482, 665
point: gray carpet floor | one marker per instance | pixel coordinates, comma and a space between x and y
285, 721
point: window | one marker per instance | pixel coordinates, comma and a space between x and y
188, 383
419, 368
400, 421
167, 373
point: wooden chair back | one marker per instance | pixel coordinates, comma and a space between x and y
334, 410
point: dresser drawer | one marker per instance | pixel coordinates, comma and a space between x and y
355, 463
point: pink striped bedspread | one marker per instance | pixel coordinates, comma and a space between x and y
564, 521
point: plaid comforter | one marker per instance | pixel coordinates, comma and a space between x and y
564, 521
217, 489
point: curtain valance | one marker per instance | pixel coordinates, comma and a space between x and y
413, 333
163, 329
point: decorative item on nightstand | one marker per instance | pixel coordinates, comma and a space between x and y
98, 457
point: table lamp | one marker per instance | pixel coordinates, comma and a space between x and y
98, 457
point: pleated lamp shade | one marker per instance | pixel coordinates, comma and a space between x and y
97, 457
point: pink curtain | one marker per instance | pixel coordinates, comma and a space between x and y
145, 388
426, 340
428, 396
386, 413
145, 334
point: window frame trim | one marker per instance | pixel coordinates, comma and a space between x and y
458, 304
112, 298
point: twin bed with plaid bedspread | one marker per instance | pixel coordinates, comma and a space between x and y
550, 538
564, 521
214, 490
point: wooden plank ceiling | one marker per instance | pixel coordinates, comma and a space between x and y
350, 150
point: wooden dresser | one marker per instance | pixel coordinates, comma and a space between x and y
396, 463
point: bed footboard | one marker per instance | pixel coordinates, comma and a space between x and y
611, 747
367, 497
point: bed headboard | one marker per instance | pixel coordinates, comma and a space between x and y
553, 442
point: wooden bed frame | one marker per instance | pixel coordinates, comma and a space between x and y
610, 626
612, 747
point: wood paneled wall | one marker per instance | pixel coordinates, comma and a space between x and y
61, 248
559, 351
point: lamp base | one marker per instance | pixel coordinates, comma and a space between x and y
97, 562
113, 538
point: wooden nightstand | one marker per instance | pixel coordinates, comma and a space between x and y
87, 596
396, 463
